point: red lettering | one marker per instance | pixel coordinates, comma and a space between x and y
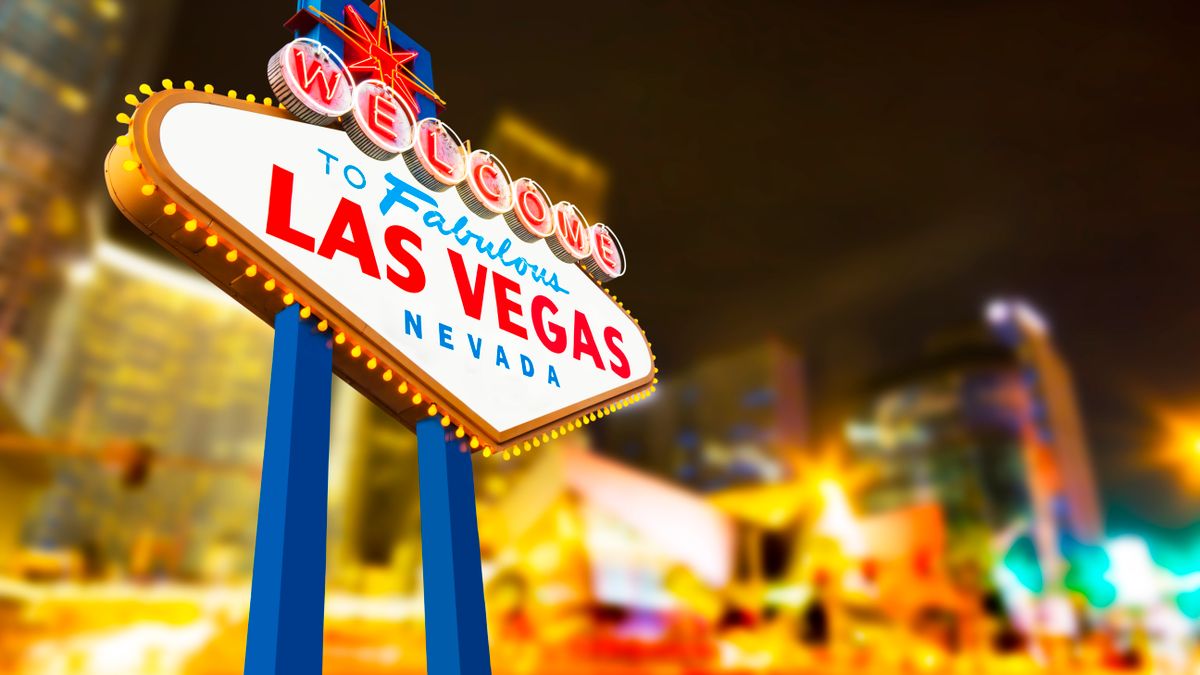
279, 211
585, 342
552, 335
612, 338
471, 294
487, 184
506, 307
413, 280
571, 230
350, 215
310, 71
606, 250
536, 211
382, 119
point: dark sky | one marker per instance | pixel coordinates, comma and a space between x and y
855, 176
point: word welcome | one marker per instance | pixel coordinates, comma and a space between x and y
318, 88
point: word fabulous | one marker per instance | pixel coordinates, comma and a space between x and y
316, 87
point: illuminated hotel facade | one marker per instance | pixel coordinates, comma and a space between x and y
61, 64
987, 427
151, 394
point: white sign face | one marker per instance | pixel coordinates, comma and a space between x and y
517, 337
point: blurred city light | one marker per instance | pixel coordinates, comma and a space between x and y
866, 455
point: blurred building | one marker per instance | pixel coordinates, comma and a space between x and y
1054, 416
61, 64
24, 474
582, 540
160, 379
986, 426
731, 420
375, 514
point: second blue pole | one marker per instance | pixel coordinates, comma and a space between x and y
456, 639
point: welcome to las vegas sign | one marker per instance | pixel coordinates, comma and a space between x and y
446, 288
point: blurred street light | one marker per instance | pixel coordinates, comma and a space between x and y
1179, 452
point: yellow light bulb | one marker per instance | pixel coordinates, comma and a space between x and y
387, 375
416, 399
251, 271
250, 98
507, 456
487, 452
231, 256
372, 363
211, 241
403, 388
516, 452
322, 326
132, 100
460, 432
474, 442
267, 101
145, 89
124, 118
269, 285
188, 84
356, 351
340, 338
129, 164
170, 209
167, 84
208, 89
445, 420
191, 226
232, 93
147, 189
432, 410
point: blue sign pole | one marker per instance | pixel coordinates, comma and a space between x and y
287, 602
456, 640
287, 598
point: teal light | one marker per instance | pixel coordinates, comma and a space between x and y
1022, 561
1189, 604
1087, 574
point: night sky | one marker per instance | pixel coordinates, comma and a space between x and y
852, 177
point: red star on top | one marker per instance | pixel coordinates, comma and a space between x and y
369, 50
